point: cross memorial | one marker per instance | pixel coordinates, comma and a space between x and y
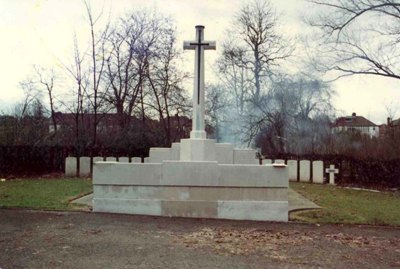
331, 171
199, 45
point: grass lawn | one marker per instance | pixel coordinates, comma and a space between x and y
341, 205
52, 194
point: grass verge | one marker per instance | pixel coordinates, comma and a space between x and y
51, 194
348, 206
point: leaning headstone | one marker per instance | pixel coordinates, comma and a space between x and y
292, 164
279, 161
123, 159
266, 161
318, 172
136, 160
84, 166
111, 159
70, 167
305, 171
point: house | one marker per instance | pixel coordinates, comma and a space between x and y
356, 123
110, 124
392, 127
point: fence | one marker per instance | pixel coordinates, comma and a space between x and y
22, 161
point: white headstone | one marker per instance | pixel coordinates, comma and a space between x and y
305, 171
70, 167
332, 171
146, 160
136, 160
266, 161
111, 159
98, 159
318, 172
279, 161
84, 166
123, 159
292, 164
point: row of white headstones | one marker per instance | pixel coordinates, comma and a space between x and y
298, 170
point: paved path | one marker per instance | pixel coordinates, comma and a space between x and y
35, 239
296, 201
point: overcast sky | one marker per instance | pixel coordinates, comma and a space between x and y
41, 32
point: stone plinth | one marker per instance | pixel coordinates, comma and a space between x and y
192, 189
224, 153
197, 150
157, 155
245, 156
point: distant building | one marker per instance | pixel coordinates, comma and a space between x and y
109, 124
392, 127
356, 123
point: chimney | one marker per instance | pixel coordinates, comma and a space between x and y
389, 121
354, 114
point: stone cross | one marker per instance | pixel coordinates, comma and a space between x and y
199, 45
332, 171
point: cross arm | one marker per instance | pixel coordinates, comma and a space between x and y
189, 45
192, 45
211, 45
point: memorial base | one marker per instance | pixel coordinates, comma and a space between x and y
192, 189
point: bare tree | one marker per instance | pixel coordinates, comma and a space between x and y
357, 37
46, 78
165, 81
259, 47
97, 54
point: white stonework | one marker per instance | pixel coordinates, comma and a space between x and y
292, 164
318, 172
111, 159
192, 189
305, 171
196, 177
279, 161
70, 167
98, 159
266, 161
136, 160
123, 159
224, 153
198, 150
84, 166
157, 155
332, 171
176, 151
245, 156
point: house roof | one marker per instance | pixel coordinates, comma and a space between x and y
353, 121
396, 122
